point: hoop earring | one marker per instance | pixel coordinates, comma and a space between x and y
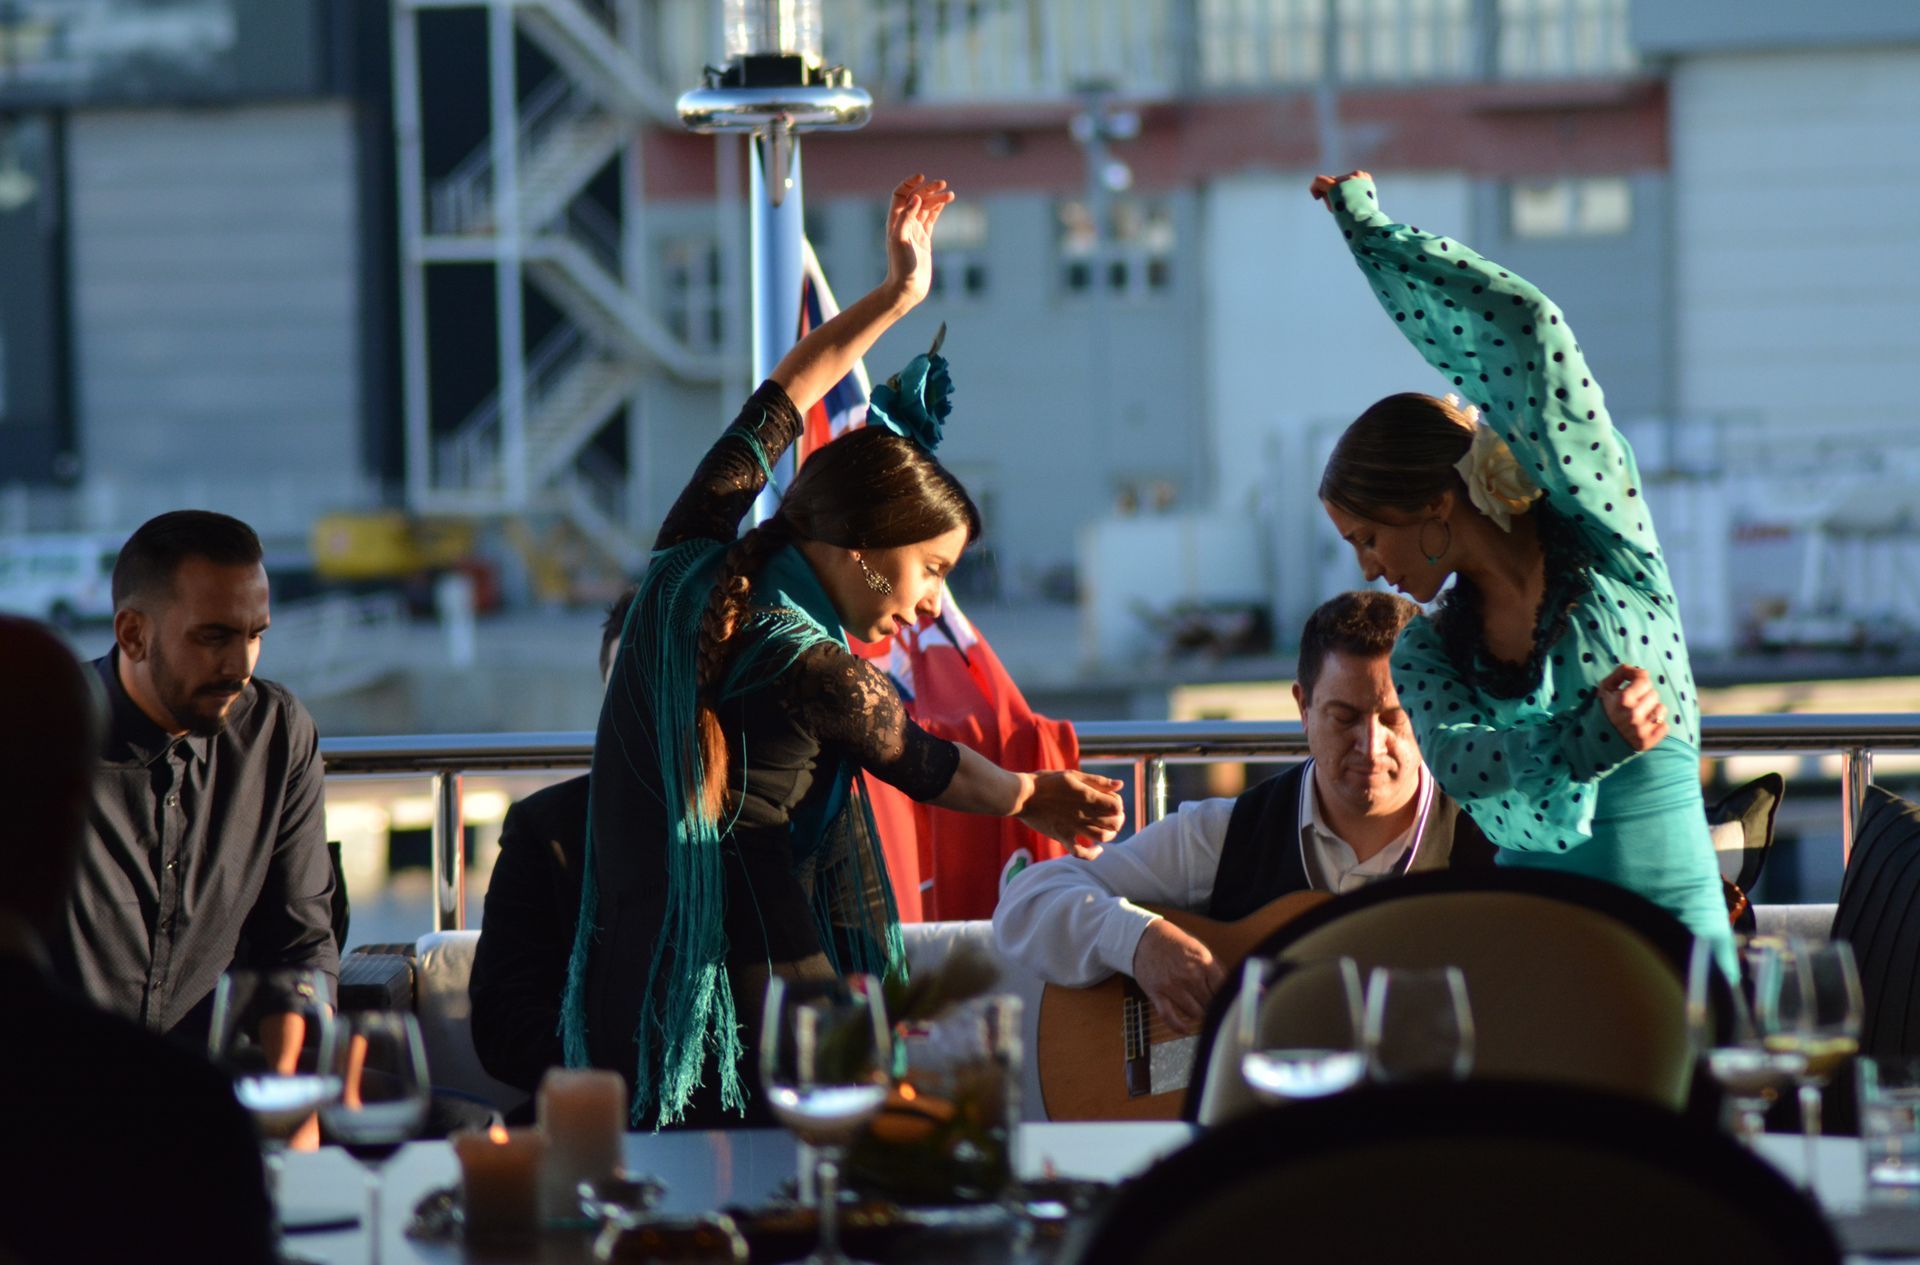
1434, 556
878, 583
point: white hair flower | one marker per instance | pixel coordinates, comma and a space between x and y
1496, 484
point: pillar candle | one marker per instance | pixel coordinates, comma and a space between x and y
500, 1180
583, 1116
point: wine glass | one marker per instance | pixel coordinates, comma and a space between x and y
273, 1032
1418, 1024
1748, 1073
1320, 1052
381, 1064
825, 1057
1809, 1003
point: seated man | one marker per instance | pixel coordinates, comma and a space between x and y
121, 1146
207, 824
533, 897
1362, 808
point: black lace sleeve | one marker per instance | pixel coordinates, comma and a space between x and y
844, 701
729, 477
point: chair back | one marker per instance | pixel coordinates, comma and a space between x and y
1879, 915
1560, 991
1488, 1172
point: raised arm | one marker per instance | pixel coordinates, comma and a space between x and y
1505, 347
734, 470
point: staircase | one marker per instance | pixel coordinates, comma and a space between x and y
533, 454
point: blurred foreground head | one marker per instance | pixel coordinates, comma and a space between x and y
49, 737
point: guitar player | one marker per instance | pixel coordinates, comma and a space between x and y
1362, 809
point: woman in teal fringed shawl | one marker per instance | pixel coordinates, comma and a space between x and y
1550, 689
729, 837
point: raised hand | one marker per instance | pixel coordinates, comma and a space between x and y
917, 203
1323, 185
1072, 806
1633, 705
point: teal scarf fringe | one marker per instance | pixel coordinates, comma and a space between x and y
689, 1010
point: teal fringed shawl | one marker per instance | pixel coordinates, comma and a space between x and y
690, 1008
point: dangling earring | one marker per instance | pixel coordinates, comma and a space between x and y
878, 583
1433, 555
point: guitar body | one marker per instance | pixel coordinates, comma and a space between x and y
1103, 1054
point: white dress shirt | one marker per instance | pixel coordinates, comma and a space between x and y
1076, 922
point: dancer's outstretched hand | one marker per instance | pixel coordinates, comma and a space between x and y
1323, 185
1633, 705
917, 203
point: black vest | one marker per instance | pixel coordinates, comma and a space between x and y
1260, 859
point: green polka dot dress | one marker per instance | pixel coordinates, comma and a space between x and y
1526, 748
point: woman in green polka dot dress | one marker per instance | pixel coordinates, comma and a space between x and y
1550, 690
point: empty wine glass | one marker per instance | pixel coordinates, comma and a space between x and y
273, 1032
1299, 1028
381, 1064
1418, 1024
1810, 1004
825, 1057
1748, 1073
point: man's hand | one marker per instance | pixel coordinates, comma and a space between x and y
1178, 973
1633, 705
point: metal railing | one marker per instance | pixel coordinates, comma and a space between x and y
1151, 747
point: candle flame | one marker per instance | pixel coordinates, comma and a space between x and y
906, 1092
497, 1135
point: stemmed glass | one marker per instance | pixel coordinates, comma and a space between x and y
273, 1032
1322, 1053
1748, 1073
381, 1064
825, 1057
1809, 1003
1418, 1024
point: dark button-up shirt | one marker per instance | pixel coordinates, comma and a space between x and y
202, 853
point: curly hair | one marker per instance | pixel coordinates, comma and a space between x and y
1398, 455
869, 489
1363, 622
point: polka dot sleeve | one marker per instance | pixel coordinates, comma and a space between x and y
1532, 785
1504, 346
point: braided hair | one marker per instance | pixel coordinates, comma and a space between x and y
869, 489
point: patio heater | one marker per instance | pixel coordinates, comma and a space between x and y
774, 86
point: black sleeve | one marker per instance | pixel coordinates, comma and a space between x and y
727, 479
845, 701
291, 923
520, 963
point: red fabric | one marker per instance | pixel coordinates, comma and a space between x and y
971, 700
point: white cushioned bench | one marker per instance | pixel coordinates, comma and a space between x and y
444, 960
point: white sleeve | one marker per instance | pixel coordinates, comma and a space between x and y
1076, 922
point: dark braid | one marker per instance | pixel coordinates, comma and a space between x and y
726, 608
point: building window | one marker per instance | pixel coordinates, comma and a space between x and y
1133, 258
690, 276
1591, 206
960, 252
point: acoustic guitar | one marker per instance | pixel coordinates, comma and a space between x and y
1104, 1053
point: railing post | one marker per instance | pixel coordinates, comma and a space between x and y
1856, 774
1142, 796
1156, 790
449, 854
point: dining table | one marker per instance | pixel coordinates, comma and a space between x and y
699, 1171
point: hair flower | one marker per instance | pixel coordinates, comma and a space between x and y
1496, 484
915, 402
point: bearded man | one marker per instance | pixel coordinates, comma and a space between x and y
206, 834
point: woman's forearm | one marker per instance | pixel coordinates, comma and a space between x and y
823, 357
981, 786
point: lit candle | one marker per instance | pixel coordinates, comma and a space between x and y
583, 1115
500, 1180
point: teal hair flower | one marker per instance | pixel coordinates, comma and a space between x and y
915, 402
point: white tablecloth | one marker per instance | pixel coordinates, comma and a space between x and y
701, 1171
